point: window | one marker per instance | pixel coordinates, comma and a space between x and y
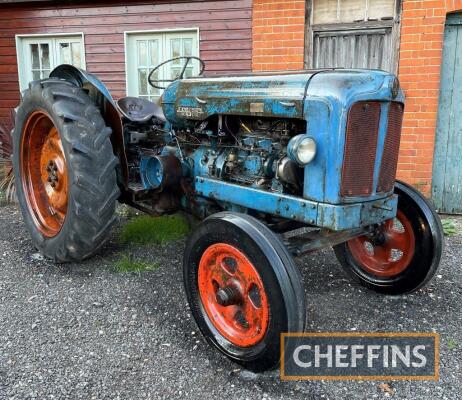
38, 55
337, 11
146, 50
353, 34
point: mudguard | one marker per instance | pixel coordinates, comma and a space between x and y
99, 93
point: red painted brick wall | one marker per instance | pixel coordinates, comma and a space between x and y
422, 33
278, 35
278, 43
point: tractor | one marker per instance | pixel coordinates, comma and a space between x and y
273, 165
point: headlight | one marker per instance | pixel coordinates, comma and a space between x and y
301, 149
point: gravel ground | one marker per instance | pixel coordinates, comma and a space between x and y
86, 331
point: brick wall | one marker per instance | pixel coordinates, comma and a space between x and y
278, 43
422, 33
278, 35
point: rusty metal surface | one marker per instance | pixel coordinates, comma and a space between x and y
334, 217
389, 161
360, 149
315, 240
273, 95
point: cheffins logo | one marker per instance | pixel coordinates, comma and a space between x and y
365, 356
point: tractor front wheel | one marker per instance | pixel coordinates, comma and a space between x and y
64, 169
243, 288
403, 254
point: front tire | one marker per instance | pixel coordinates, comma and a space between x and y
64, 169
243, 288
404, 254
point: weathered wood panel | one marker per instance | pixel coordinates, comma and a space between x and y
353, 49
447, 163
225, 29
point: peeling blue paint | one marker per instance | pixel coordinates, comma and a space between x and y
335, 217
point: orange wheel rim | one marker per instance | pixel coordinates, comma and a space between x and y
44, 173
233, 296
394, 252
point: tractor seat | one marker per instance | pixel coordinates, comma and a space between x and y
137, 109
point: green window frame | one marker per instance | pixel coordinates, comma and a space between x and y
144, 50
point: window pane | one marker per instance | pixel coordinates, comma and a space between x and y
45, 73
142, 53
154, 91
175, 46
324, 11
45, 55
381, 8
65, 49
174, 73
187, 47
35, 56
352, 10
188, 72
76, 54
143, 81
154, 48
36, 75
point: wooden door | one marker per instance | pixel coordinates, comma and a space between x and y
447, 164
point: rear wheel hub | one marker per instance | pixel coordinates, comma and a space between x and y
44, 173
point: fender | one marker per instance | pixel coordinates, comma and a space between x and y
99, 93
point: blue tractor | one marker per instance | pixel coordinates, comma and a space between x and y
274, 165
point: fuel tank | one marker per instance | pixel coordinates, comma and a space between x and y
269, 94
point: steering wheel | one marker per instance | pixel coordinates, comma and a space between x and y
154, 82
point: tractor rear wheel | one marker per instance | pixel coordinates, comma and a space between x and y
243, 288
64, 169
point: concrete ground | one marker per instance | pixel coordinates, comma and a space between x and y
85, 331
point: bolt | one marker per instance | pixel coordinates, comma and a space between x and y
228, 296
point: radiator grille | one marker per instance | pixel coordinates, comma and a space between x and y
360, 149
391, 149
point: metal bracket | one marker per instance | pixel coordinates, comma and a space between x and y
314, 240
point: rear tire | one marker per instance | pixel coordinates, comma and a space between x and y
419, 239
234, 256
65, 170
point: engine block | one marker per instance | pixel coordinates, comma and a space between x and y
238, 154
